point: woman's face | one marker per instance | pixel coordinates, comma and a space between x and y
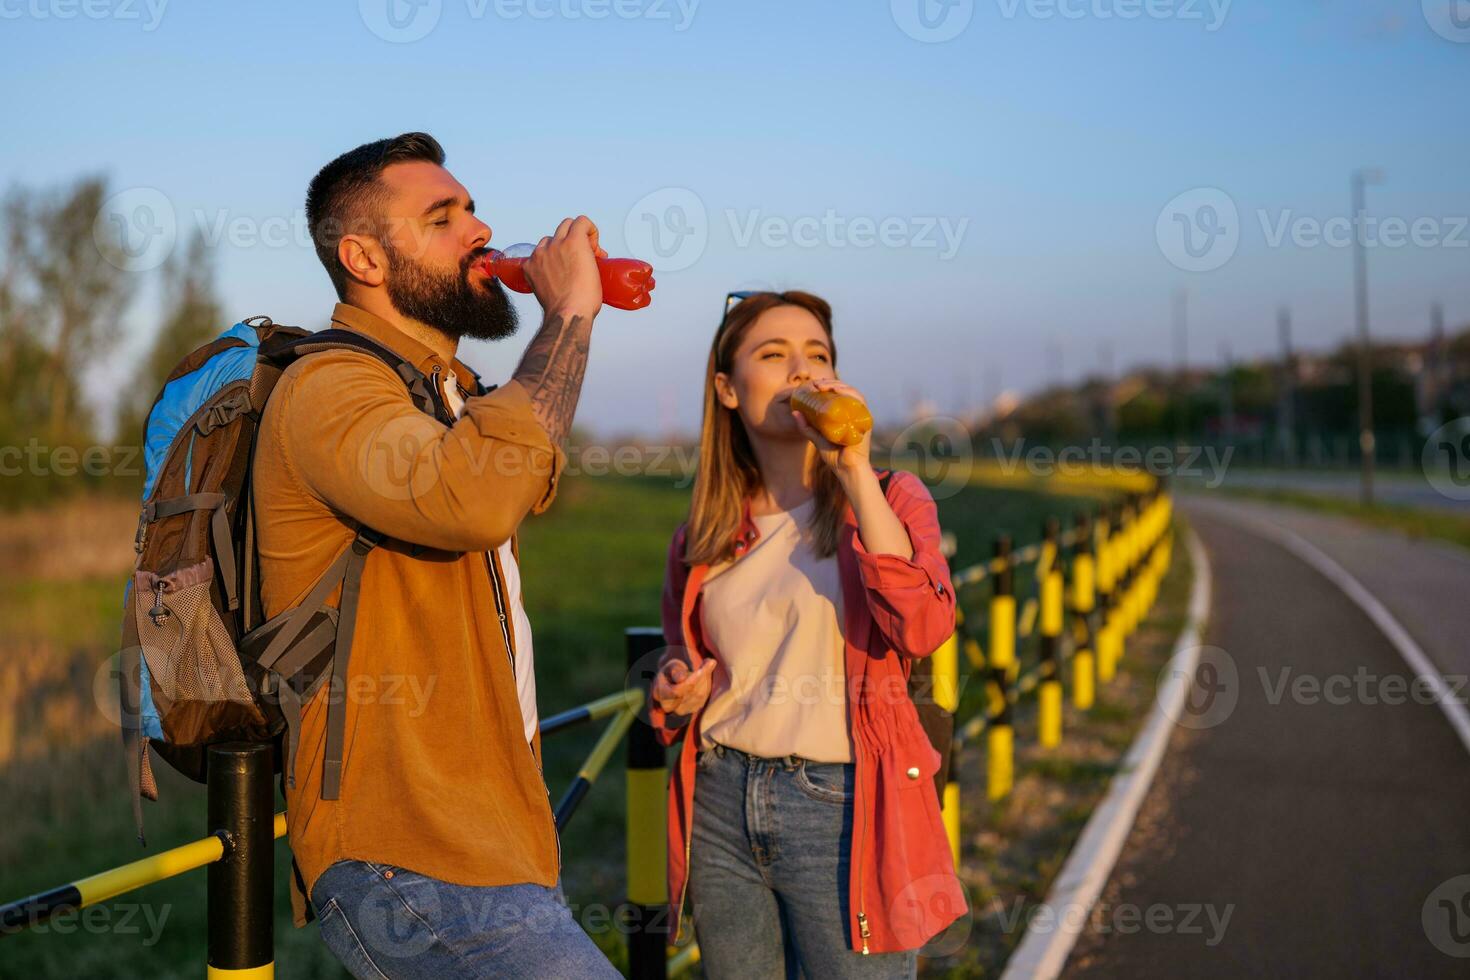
782, 350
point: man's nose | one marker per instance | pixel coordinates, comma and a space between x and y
481, 233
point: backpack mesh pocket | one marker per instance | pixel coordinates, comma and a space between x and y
193, 668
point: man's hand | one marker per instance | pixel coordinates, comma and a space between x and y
563, 270
563, 273
680, 692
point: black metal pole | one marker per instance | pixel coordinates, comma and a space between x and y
241, 884
647, 841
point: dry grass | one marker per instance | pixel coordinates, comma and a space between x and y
62, 580
78, 539
1012, 850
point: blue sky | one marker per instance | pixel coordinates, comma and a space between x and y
966, 204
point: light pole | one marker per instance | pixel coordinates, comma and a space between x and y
1360, 178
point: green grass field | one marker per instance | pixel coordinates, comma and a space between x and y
592, 566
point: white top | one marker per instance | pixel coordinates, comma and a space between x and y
773, 617
521, 650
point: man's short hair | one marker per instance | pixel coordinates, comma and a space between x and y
346, 197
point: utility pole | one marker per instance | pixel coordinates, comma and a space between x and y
1360, 178
1053, 364
1439, 375
1181, 359
1286, 392
1227, 393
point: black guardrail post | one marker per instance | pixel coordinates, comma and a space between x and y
241, 884
647, 828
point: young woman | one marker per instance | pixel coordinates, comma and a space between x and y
804, 827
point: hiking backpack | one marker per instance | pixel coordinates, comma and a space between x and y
198, 664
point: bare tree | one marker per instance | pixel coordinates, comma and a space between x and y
65, 294
191, 318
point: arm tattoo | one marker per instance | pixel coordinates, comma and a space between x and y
551, 371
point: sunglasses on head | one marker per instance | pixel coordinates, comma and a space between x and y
731, 299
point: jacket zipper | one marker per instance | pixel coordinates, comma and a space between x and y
689, 832
684, 889
500, 611
862, 914
495, 586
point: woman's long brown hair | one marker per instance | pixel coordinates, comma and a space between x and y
728, 472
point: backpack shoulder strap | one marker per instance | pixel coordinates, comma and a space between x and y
346, 570
289, 349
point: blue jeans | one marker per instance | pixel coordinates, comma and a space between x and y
768, 870
382, 921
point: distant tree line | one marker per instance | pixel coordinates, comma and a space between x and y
64, 291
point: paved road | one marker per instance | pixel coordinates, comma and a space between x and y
1392, 486
1306, 834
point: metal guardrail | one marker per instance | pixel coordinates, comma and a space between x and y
1102, 573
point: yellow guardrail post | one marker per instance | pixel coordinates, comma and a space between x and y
1106, 543
1083, 600
241, 884
1148, 555
1000, 738
1122, 572
973, 653
1135, 569
945, 673
1049, 578
646, 824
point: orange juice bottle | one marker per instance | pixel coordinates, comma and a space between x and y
840, 417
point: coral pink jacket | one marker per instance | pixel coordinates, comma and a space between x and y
902, 887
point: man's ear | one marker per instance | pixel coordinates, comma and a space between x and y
725, 391
363, 258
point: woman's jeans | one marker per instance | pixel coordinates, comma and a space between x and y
768, 870
381, 921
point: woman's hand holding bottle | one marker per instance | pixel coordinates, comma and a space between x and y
827, 410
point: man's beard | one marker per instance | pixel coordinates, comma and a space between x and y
448, 301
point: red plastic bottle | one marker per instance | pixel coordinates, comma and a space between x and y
626, 283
